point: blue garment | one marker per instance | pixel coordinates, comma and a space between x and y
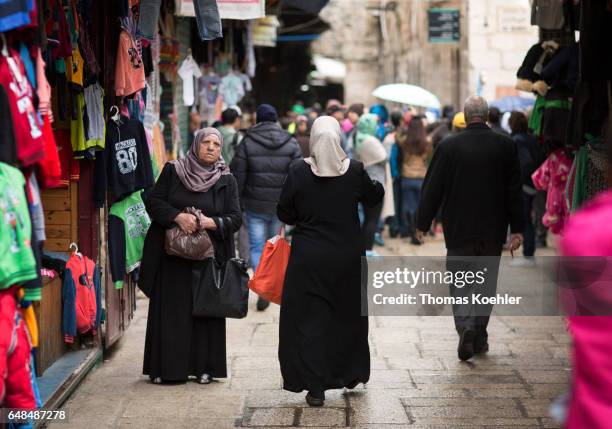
262, 226
394, 162
15, 13
207, 18
411, 193
33, 380
98, 286
24, 53
68, 305
383, 116
69, 302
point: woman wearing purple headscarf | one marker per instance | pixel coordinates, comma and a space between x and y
178, 345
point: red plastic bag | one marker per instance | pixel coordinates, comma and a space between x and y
270, 275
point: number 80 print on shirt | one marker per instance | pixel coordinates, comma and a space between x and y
125, 164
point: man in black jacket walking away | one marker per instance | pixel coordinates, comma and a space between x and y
260, 166
475, 177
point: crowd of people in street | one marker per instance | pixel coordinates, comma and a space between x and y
338, 177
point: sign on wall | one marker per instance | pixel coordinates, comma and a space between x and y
228, 9
511, 19
444, 25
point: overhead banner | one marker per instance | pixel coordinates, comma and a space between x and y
228, 9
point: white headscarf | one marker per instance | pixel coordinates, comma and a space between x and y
327, 159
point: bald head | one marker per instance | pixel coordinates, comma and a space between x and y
476, 109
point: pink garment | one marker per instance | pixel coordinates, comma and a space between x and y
552, 177
347, 125
589, 233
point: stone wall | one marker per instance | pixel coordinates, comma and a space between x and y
495, 35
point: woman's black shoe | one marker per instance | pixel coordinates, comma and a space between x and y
414, 241
315, 399
262, 304
205, 379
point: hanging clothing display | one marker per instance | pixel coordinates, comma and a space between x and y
232, 89
128, 224
81, 297
129, 70
552, 176
188, 71
96, 128
125, 163
27, 125
16, 389
17, 264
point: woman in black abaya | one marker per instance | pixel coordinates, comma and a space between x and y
323, 336
177, 344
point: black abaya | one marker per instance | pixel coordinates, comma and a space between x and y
178, 345
323, 336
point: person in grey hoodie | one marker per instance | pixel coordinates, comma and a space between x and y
260, 166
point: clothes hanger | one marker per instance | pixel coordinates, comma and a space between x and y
117, 115
74, 246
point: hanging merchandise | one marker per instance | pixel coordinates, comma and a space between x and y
128, 224
125, 163
552, 176
189, 71
206, 13
17, 264
81, 297
231, 89
129, 70
15, 13
71, 169
209, 91
27, 124
265, 31
96, 128
8, 144
531, 69
16, 390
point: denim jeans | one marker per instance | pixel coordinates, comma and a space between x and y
207, 17
411, 194
262, 226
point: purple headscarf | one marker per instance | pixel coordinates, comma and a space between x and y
195, 175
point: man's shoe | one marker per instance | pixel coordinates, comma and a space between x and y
315, 399
466, 344
262, 304
205, 379
481, 348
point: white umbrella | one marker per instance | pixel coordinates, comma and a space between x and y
407, 94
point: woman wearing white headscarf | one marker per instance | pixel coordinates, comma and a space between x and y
323, 337
177, 344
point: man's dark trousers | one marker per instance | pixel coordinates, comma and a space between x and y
474, 257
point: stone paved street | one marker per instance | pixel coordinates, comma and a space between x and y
416, 381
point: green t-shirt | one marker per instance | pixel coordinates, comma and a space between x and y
17, 263
130, 216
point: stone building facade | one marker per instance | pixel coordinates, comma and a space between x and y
384, 41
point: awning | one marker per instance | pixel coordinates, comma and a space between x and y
328, 69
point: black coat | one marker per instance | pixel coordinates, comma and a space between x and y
323, 338
260, 165
475, 176
530, 156
178, 345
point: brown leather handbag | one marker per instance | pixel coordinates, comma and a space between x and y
195, 247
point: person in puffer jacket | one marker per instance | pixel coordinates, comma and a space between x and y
260, 166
